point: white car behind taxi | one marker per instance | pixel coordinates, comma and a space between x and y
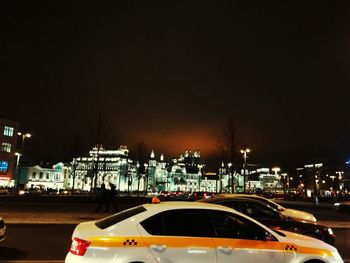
292, 213
190, 232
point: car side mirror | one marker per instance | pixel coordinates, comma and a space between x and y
269, 237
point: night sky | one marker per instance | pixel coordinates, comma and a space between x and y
169, 73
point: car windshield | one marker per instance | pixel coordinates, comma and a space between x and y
118, 217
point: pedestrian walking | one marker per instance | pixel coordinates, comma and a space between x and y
103, 198
112, 196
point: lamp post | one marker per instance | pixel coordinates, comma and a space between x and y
138, 178
23, 136
284, 183
146, 179
17, 169
221, 172
74, 166
231, 177
244, 152
333, 186
129, 176
276, 170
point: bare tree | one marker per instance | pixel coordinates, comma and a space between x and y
101, 136
141, 152
229, 141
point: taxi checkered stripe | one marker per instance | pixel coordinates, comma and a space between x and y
103, 241
291, 248
130, 242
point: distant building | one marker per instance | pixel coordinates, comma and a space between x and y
45, 178
185, 173
8, 144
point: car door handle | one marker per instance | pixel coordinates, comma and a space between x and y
197, 250
158, 247
226, 250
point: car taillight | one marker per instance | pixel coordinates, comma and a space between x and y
79, 246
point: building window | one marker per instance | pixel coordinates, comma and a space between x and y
8, 131
34, 175
6, 147
47, 176
4, 166
41, 175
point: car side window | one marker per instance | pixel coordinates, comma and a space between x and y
232, 204
229, 225
260, 212
179, 222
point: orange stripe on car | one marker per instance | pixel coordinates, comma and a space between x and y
178, 242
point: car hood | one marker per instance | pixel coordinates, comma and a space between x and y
299, 215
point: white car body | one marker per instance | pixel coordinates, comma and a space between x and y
292, 213
128, 241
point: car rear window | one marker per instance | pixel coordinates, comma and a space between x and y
118, 217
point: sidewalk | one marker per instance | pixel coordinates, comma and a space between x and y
50, 217
76, 217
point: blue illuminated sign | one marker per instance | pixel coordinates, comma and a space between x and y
4, 166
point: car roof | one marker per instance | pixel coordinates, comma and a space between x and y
230, 197
243, 195
165, 205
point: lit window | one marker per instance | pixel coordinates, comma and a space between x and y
4, 166
6, 147
8, 131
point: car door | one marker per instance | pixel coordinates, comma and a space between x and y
241, 240
180, 235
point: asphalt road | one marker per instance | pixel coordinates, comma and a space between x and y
50, 243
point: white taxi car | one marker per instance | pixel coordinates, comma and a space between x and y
293, 213
2, 229
190, 232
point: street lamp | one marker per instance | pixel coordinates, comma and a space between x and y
17, 169
284, 183
231, 177
23, 136
146, 179
276, 170
244, 152
138, 178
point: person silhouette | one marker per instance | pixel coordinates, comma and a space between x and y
103, 198
112, 196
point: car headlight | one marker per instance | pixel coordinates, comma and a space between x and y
330, 231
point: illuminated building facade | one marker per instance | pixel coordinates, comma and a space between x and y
185, 173
8, 144
44, 178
